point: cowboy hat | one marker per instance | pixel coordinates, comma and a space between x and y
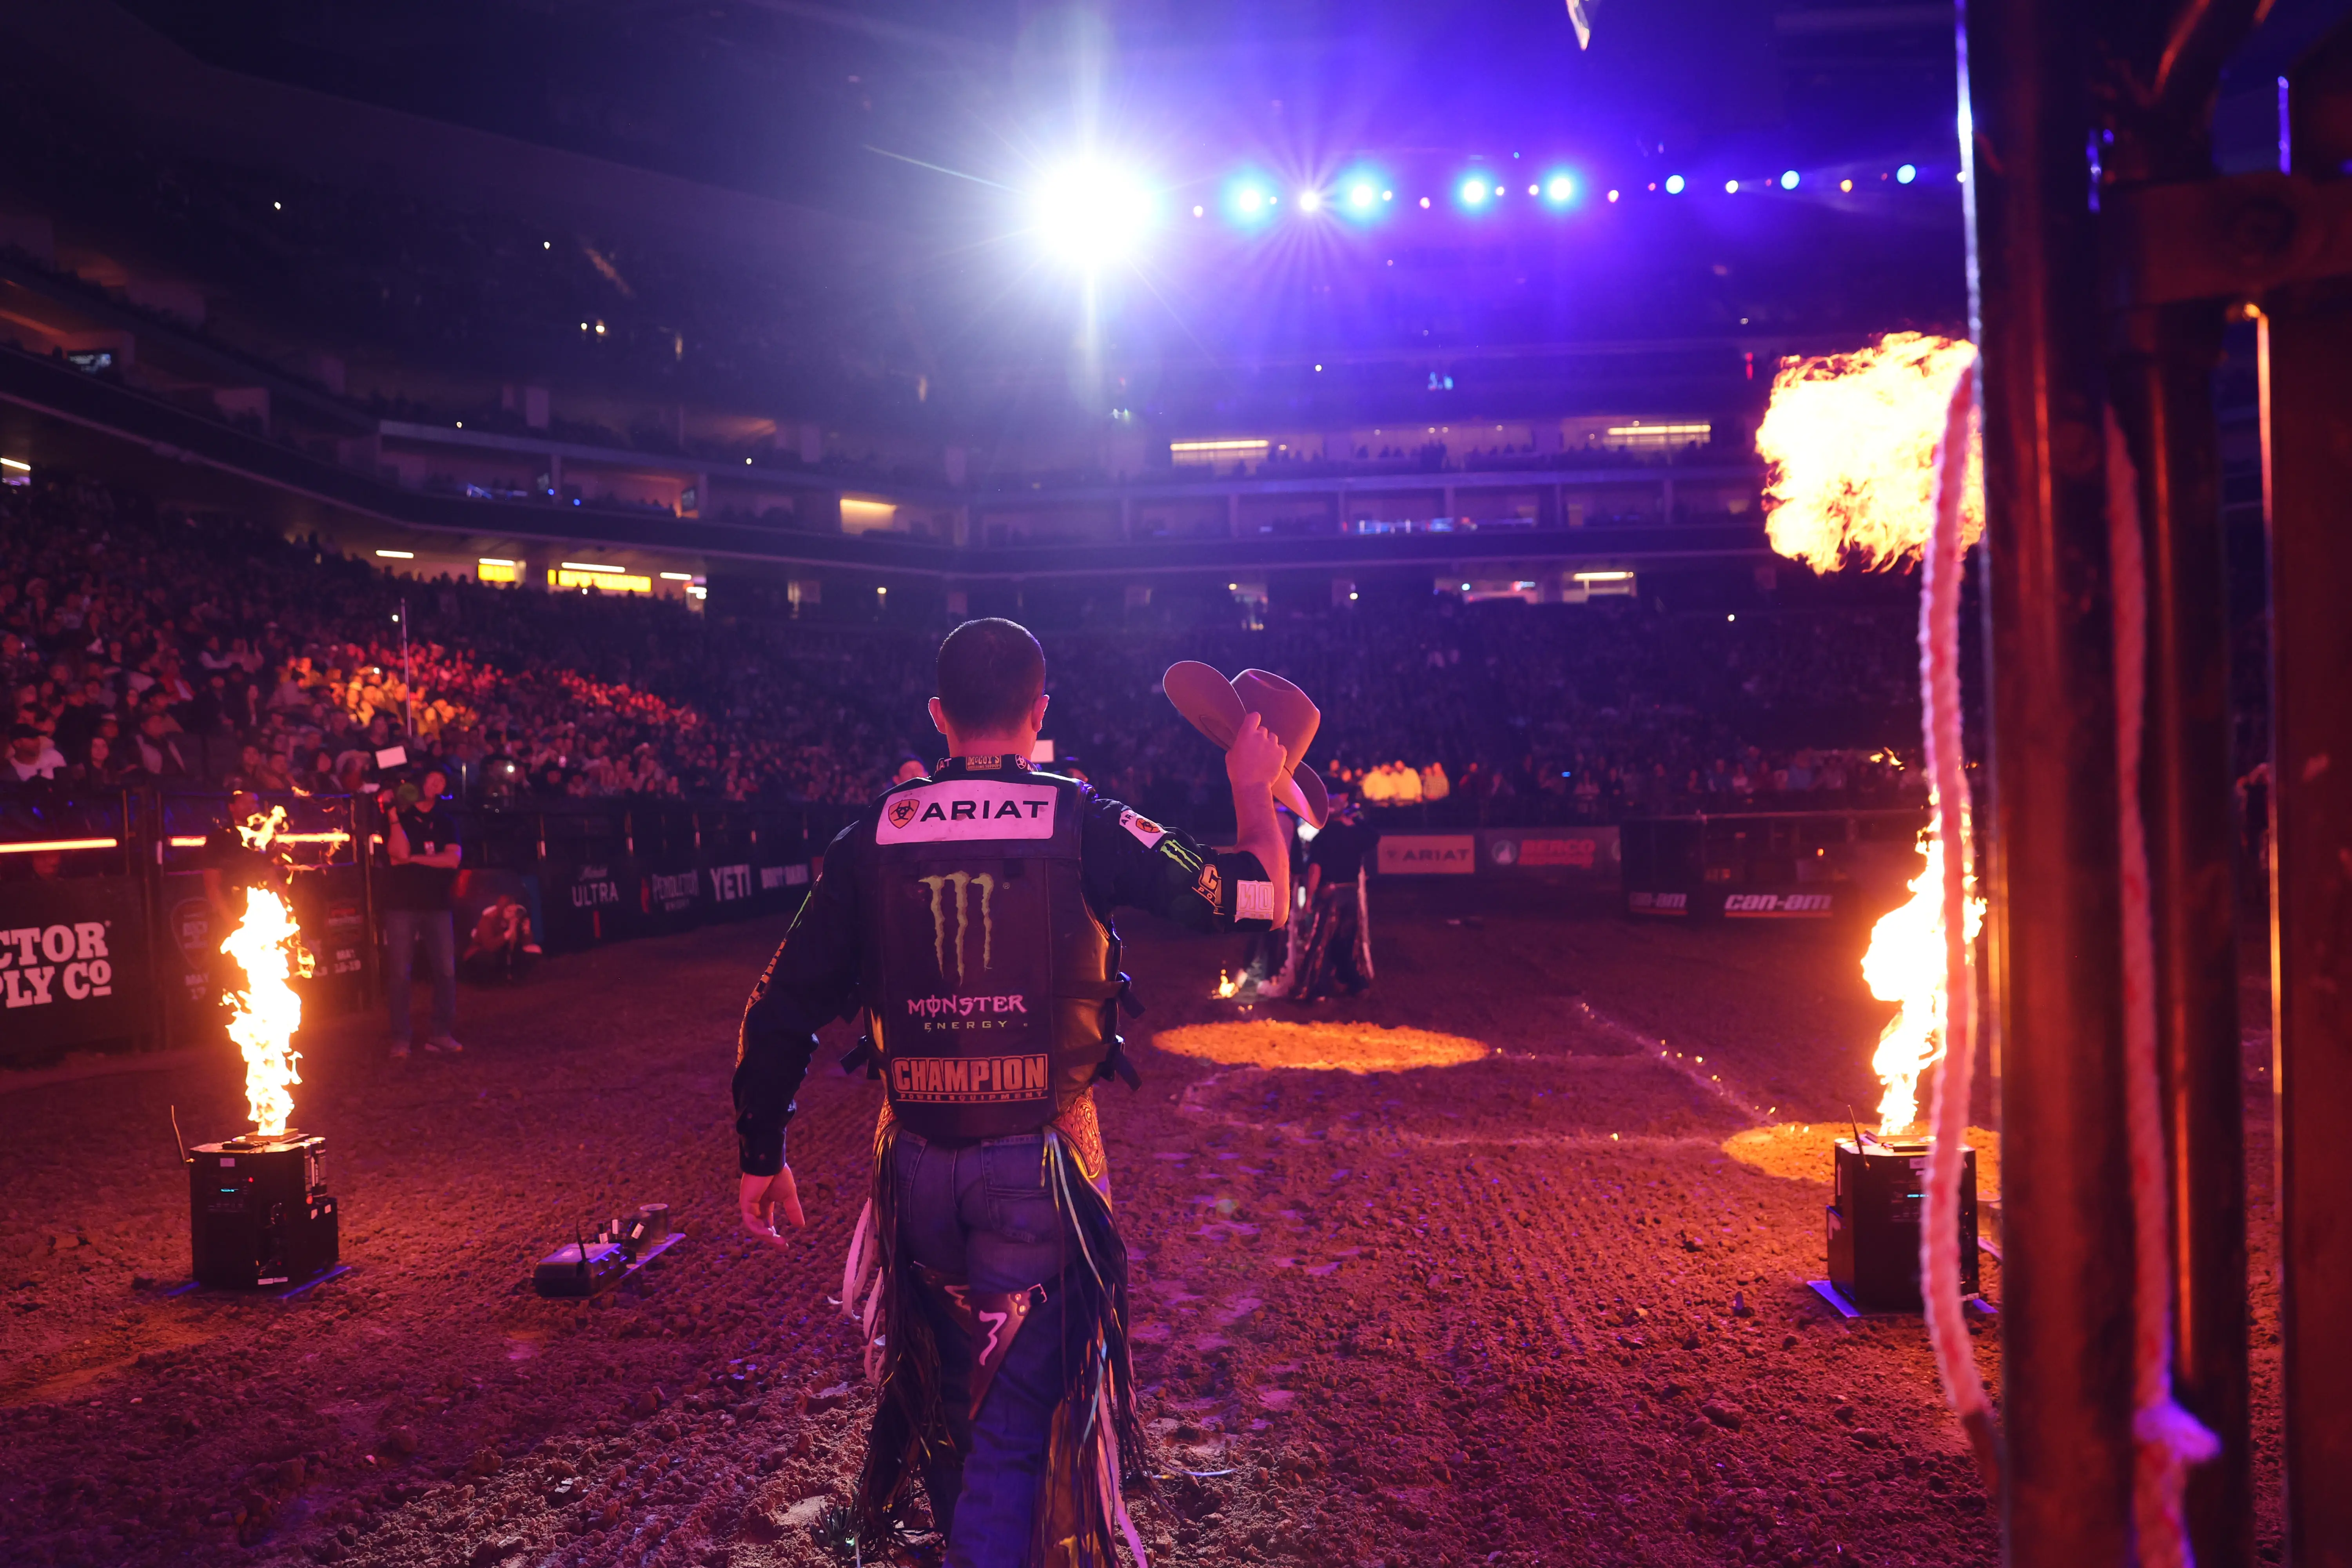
1217, 707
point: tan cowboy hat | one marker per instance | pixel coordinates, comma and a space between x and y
1217, 708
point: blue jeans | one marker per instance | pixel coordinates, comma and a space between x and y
401, 930
984, 1214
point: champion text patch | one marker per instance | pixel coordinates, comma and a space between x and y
967, 809
968, 1080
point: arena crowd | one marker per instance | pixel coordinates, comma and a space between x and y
140, 649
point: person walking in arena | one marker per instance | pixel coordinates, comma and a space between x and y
968, 914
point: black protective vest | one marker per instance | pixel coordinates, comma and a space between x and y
990, 985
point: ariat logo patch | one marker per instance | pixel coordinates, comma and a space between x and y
968, 809
967, 1080
1146, 832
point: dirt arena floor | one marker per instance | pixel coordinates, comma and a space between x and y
1544, 1306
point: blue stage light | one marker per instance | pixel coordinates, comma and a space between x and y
1905, 174
1360, 196
1789, 180
1249, 200
1310, 201
1474, 191
1561, 189
1673, 185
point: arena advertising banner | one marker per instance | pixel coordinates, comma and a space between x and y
1428, 855
73, 963
731, 890
1577, 854
589, 903
1580, 854
670, 895
331, 907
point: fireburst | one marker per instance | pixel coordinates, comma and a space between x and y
1906, 965
264, 1015
1849, 446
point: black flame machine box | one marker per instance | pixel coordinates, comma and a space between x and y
258, 1211
1879, 1190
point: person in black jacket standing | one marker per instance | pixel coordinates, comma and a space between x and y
968, 914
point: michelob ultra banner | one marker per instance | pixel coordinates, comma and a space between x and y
73, 964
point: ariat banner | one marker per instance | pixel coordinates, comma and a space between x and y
1428, 854
966, 810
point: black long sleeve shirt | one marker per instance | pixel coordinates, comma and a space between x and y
1126, 861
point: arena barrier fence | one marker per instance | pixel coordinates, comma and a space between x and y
1770, 866
108, 939
1587, 856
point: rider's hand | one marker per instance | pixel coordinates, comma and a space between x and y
1254, 759
763, 1199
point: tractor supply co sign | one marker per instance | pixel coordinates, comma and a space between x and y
73, 963
1428, 854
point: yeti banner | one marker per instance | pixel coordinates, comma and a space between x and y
73, 964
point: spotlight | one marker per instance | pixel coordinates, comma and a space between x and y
1361, 197
1310, 201
1424, 201
1905, 174
1846, 185
1789, 180
1088, 214
1612, 195
1534, 190
1561, 189
1498, 190
1249, 201
1473, 193
1731, 187
1673, 185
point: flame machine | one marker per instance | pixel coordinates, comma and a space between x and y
258, 1211
1873, 1221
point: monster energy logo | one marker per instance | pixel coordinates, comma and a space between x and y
963, 882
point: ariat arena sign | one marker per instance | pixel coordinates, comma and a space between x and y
967, 809
1428, 854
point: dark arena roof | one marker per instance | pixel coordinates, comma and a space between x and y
1007, 273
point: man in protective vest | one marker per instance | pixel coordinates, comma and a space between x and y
968, 914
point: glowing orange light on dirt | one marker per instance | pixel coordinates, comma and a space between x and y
1227, 985
265, 1015
1849, 446
1906, 965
